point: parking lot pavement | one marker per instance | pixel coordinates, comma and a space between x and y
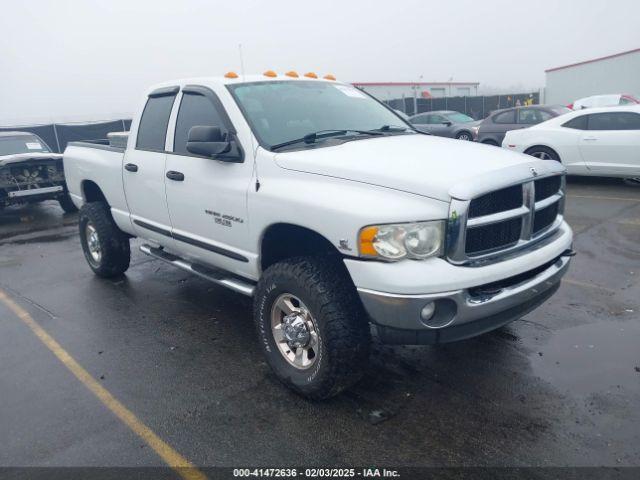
559, 387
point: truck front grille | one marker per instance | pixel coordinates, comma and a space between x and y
498, 222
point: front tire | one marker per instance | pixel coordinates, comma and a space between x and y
311, 325
105, 246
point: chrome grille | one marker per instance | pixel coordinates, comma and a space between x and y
498, 222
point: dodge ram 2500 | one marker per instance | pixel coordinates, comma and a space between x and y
331, 211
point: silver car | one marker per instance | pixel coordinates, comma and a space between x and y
445, 123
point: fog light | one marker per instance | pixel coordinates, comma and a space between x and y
427, 311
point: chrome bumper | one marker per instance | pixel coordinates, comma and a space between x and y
462, 313
35, 191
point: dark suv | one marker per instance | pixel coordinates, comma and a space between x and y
492, 129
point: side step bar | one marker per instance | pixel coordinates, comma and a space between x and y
216, 276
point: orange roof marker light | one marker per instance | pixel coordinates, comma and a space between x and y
270, 73
292, 74
310, 75
231, 75
329, 77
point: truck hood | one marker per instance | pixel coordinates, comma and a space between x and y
431, 166
25, 157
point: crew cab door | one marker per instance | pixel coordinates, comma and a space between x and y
611, 143
207, 198
143, 169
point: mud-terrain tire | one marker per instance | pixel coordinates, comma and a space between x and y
105, 246
67, 204
333, 312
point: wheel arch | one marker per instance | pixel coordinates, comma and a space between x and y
91, 192
528, 150
280, 241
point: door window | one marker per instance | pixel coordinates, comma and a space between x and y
152, 130
577, 123
614, 121
437, 119
531, 116
505, 117
194, 110
420, 119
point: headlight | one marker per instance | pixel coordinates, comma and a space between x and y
407, 240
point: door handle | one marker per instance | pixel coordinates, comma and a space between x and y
131, 167
177, 176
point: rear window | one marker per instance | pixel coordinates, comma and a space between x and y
577, 123
152, 130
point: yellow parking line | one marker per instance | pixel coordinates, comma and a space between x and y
172, 458
596, 197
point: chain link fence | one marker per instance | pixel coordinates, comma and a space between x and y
478, 107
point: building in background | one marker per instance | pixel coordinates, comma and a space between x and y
392, 90
619, 73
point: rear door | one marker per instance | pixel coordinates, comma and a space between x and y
421, 122
208, 198
611, 143
144, 169
437, 125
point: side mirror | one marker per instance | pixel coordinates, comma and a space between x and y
209, 141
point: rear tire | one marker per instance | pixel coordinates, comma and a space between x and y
543, 153
490, 142
105, 246
337, 330
67, 204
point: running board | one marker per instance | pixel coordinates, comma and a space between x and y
215, 276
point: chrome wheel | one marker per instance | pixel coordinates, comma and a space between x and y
93, 242
294, 331
464, 136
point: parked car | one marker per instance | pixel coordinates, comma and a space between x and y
492, 129
327, 215
445, 123
597, 141
604, 101
30, 172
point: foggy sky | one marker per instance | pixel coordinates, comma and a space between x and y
86, 59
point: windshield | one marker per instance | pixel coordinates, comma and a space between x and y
280, 112
457, 117
12, 145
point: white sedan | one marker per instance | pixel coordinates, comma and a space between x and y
598, 141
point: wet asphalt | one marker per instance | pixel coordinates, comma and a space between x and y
560, 387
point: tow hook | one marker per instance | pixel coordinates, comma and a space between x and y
569, 252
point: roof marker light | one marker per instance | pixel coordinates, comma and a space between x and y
270, 73
231, 75
292, 74
329, 77
310, 75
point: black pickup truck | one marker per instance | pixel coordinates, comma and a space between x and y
30, 172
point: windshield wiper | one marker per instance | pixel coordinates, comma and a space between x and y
393, 128
313, 137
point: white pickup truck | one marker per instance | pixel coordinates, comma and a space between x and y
331, 211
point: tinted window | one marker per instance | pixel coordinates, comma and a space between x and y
579, 123
614, 121
505, 117
420, 119
194, 110
457, 117
153, 124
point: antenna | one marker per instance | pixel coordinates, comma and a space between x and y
241, 61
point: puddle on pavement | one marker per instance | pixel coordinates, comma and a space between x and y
593, 358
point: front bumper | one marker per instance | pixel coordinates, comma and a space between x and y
462, 313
